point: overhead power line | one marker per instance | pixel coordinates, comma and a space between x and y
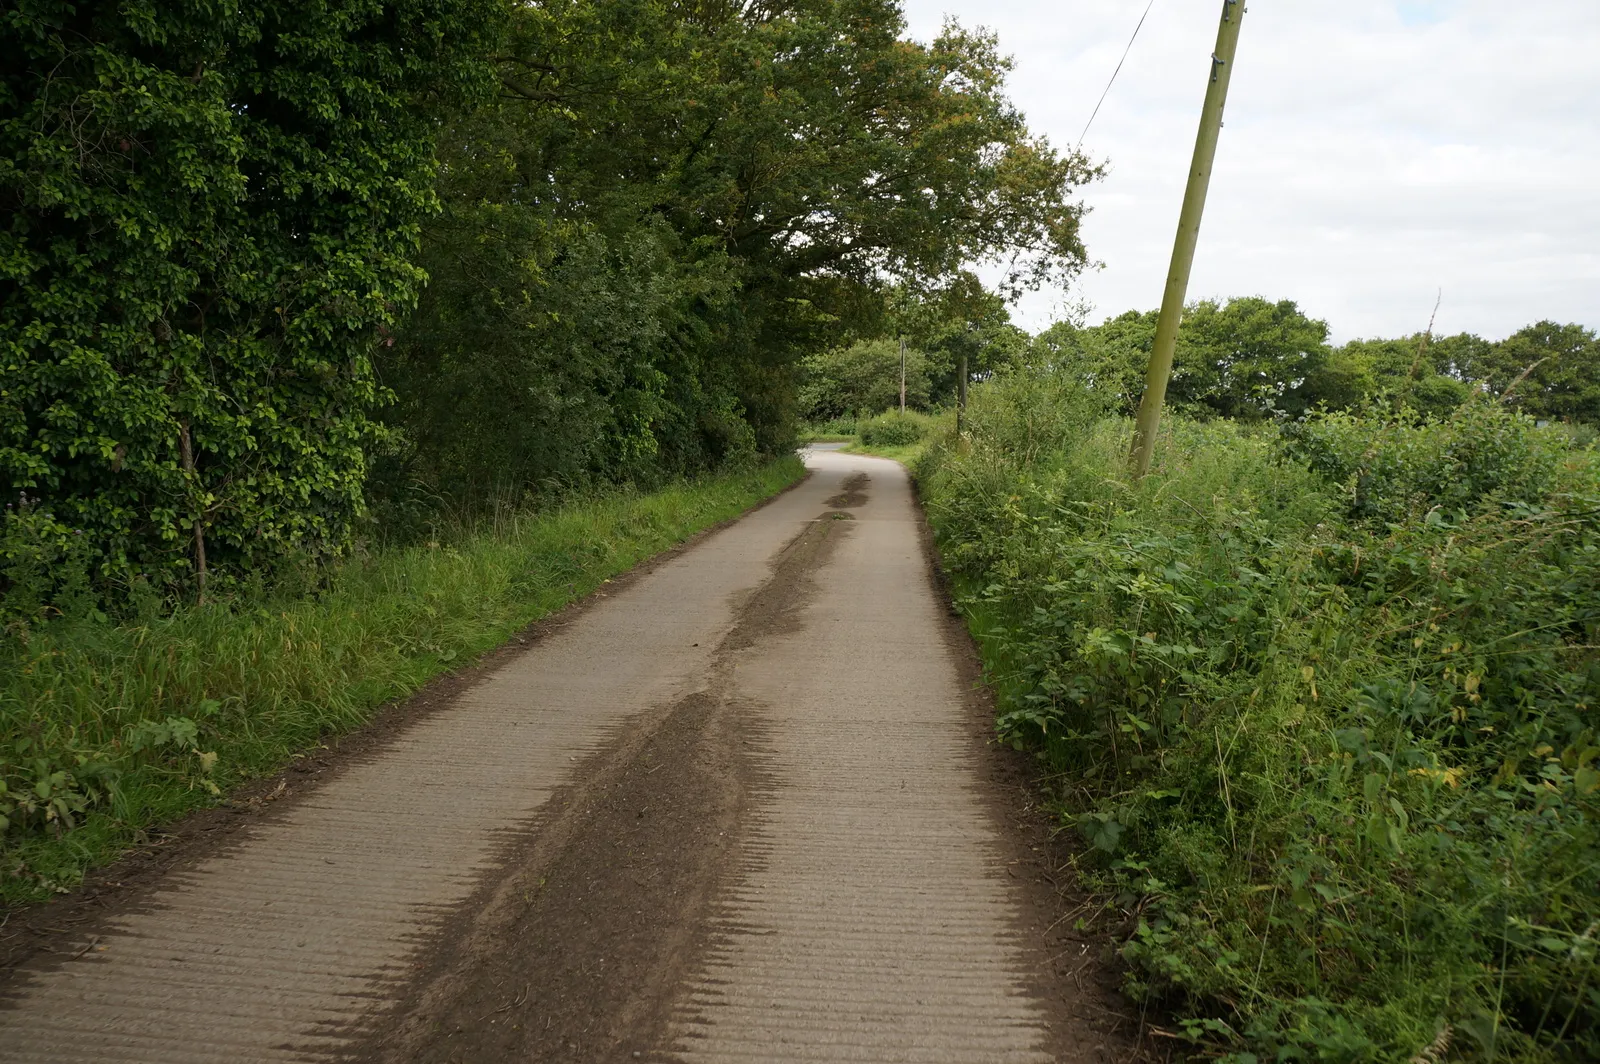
1114, 74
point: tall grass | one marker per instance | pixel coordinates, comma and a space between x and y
1321, 703
109, 728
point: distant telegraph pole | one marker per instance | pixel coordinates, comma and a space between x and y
1194, 205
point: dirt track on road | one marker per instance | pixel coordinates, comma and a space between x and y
742, 808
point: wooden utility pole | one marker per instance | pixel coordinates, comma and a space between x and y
961, 393
1194, 206
902, 375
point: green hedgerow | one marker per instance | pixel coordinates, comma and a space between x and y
1322, 703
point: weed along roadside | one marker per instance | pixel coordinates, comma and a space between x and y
1318, 698
111, 729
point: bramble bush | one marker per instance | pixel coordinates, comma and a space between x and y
1321, 701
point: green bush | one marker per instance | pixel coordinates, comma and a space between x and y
211, 216
1322, 706
1394, 471
893, 430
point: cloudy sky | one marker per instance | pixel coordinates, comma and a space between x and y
1375, 152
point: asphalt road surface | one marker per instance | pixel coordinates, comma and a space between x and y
730, 809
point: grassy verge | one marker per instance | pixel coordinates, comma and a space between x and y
108, 729
1321, 703
905, 453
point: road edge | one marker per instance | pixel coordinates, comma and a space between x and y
1075, 975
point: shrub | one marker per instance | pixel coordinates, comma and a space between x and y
893, 429
839, 426
1484, 453
44, 565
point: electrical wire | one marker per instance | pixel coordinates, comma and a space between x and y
1114, 74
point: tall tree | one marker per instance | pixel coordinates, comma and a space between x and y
758, 172
1109, 358
1402, 371
955, 319
1244, 358
1248, 357
1561, 364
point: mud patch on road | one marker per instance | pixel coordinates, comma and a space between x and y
854, 493
576, 949
774, 607
575, 954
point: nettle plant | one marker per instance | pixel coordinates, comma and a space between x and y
210, 216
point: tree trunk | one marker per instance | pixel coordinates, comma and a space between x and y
186, 452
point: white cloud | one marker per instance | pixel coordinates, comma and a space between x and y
1375, 152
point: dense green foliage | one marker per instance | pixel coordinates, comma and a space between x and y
1252, 359
209, 214
111, 728
894, 429
671, 205
862, 378
626, 222
1321, 701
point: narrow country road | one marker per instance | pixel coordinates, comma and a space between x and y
731, 809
